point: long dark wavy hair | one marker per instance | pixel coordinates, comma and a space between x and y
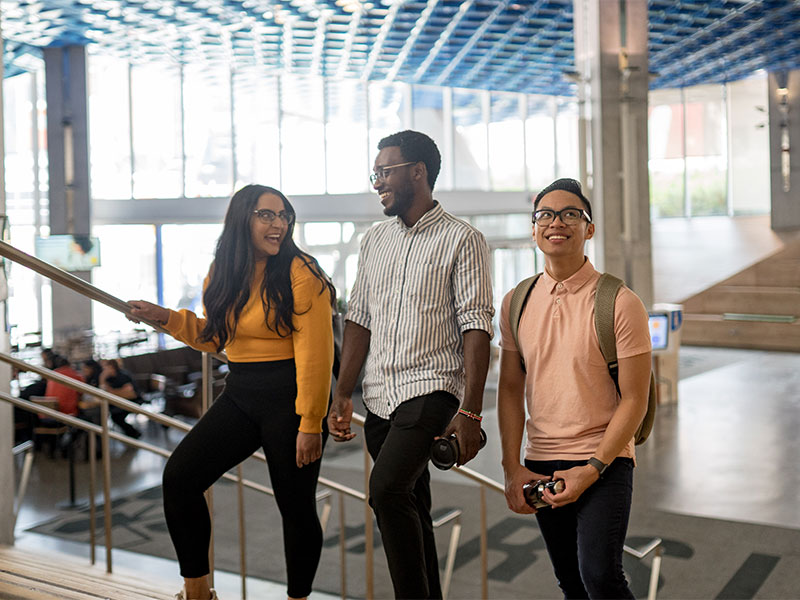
234, 266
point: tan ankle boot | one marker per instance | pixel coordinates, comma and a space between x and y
182, 595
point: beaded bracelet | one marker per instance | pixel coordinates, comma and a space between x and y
470, 415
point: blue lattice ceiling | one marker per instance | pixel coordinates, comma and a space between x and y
513, 45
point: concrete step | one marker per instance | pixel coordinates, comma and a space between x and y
714, 330
52, 576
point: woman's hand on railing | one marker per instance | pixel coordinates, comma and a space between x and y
147, 311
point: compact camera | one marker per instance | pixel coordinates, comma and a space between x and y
445, 451
534, 491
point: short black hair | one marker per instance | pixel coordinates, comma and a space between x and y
417, 147
568, 185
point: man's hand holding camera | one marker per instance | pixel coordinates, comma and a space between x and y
516, 477
576, 481
468, 434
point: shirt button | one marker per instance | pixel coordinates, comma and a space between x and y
558, 300
560, 285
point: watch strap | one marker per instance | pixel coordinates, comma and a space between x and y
597, 464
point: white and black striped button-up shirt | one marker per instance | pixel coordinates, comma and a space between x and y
418, 289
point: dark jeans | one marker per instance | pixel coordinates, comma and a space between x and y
585, 539
400, 489
256, 409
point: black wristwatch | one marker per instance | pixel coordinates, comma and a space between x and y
597, 464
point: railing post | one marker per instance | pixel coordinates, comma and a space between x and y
205, 402
342, 547
484, 548
368, 534
106, 481
242, 530
92, 493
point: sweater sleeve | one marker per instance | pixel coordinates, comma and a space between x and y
185, 326
313, 347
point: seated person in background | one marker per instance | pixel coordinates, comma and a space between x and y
67, 397
90, 369
118, 382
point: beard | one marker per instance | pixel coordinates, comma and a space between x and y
403, 199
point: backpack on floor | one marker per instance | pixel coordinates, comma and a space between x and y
604, 301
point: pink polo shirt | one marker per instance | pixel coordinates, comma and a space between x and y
570, 395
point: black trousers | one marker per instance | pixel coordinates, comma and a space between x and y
585, 539
256, 409
400, 489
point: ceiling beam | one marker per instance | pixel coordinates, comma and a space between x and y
347, 51
501, 43
377, 47
443, 39
474, 38
422, 20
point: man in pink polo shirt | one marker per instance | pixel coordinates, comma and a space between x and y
579, 429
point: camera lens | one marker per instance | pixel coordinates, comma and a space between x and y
444, 452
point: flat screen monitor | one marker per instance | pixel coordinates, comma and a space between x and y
69, 252
659, 330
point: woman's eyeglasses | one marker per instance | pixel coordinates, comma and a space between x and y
267, 216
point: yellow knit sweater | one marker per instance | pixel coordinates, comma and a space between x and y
311, 345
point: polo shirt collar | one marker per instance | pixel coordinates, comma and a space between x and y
434, 215
572, 284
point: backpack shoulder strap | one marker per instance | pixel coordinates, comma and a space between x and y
518, 300
604, 301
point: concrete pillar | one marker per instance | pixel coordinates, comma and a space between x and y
784, 149
68, 154
611, 60
6, 410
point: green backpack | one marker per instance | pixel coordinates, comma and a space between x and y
604, 300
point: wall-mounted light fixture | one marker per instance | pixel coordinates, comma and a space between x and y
782, 79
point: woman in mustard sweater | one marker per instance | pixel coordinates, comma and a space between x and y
268, 306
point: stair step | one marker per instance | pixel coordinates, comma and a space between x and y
48, 575
715, 330
775, 300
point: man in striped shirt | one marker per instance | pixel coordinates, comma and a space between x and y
420, 314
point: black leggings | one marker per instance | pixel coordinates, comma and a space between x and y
257, 408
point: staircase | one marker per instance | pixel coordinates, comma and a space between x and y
49, 576
758, 308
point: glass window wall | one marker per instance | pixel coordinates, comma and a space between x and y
125, 274
388, 106
471, 147
346, 137
302, 135
157, 131
540, 143
257, 131
110, 130
706, 150
187, 251
666, 159
506, 142
207, 125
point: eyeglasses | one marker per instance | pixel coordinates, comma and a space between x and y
568, 216
383, 172
267, 216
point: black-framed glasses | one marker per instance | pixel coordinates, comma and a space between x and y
267, 216
570, 215
383, 172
